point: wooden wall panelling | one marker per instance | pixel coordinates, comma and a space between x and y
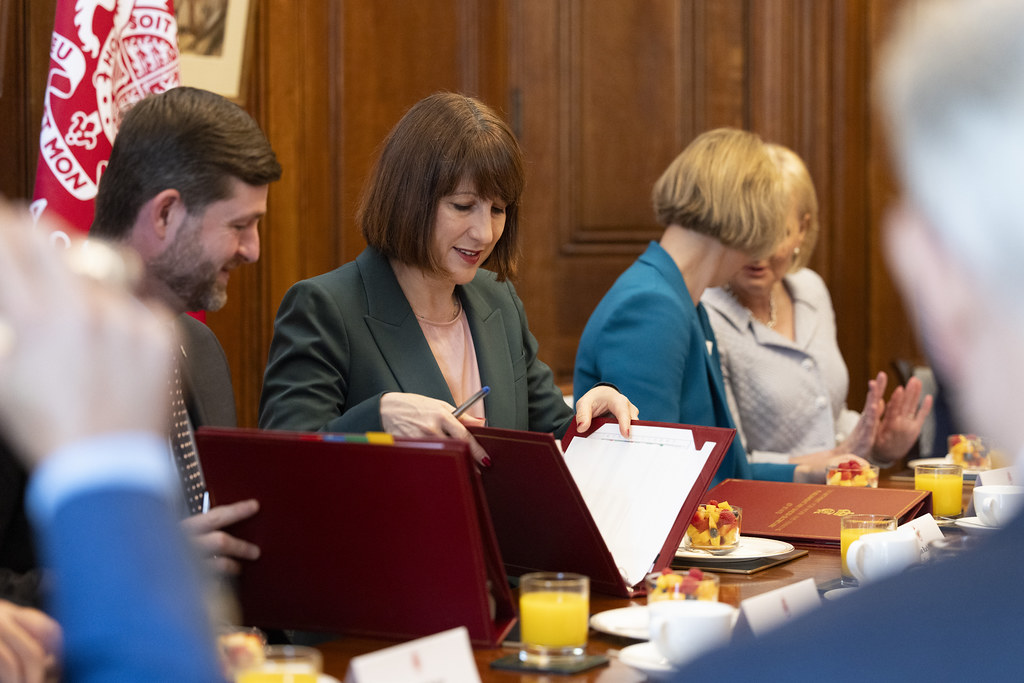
27, 42
892, 335
535, 39
288, 92
719, 84
13, 100
599, 99
620, 90
846, 251
41, 14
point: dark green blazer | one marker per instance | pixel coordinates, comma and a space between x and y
344, 338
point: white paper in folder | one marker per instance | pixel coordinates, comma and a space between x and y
635, 487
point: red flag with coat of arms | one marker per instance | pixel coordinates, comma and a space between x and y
104, 56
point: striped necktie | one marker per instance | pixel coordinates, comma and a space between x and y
184, 448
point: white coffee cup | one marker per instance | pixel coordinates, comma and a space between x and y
875, 556
684, 629
996, 505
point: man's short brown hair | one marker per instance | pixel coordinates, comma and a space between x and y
190, 140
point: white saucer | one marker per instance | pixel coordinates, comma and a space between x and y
628, 622
837, 593
324, 678
974, 524
646, 658
750, 548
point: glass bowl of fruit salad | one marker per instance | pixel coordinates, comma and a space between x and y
682, 584
852, 473
715, 528
968, 451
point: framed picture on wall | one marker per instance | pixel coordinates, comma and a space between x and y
214, 44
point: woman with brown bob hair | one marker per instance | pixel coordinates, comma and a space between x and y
415, 325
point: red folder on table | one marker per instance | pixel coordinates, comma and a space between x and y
380, 540
542, 518
810, 514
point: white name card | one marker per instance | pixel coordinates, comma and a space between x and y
445, 657
769, 610
1000, 477
925, 530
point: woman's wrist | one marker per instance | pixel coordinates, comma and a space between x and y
882, 461
806, 474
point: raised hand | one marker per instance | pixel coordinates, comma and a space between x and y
902, 421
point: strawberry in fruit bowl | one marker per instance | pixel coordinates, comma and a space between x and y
852, 473
715, 528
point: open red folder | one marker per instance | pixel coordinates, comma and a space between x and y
390, 541
545, 521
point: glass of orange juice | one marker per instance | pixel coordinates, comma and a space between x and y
284, 664
946, 482
554, 611
853, 527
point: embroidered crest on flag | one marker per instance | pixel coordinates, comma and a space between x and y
104, 56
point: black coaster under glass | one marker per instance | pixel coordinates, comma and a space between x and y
513, 663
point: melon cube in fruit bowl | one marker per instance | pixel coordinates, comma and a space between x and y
682, 584
852, 473
714, 528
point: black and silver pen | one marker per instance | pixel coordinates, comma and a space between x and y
471, 400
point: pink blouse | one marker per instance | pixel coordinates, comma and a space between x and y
452, 345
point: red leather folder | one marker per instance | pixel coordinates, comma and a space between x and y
810, 514
542, 520
390, 541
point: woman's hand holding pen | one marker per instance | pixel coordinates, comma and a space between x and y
416, 415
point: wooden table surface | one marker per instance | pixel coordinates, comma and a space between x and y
820, 564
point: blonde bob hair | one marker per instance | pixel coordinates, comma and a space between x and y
799, 187
725, 185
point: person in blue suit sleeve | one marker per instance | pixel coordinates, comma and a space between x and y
102, 495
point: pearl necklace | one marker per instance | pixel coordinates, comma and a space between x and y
772, 319
772, 311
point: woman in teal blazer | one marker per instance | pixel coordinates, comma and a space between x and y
722, 201
396, 339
